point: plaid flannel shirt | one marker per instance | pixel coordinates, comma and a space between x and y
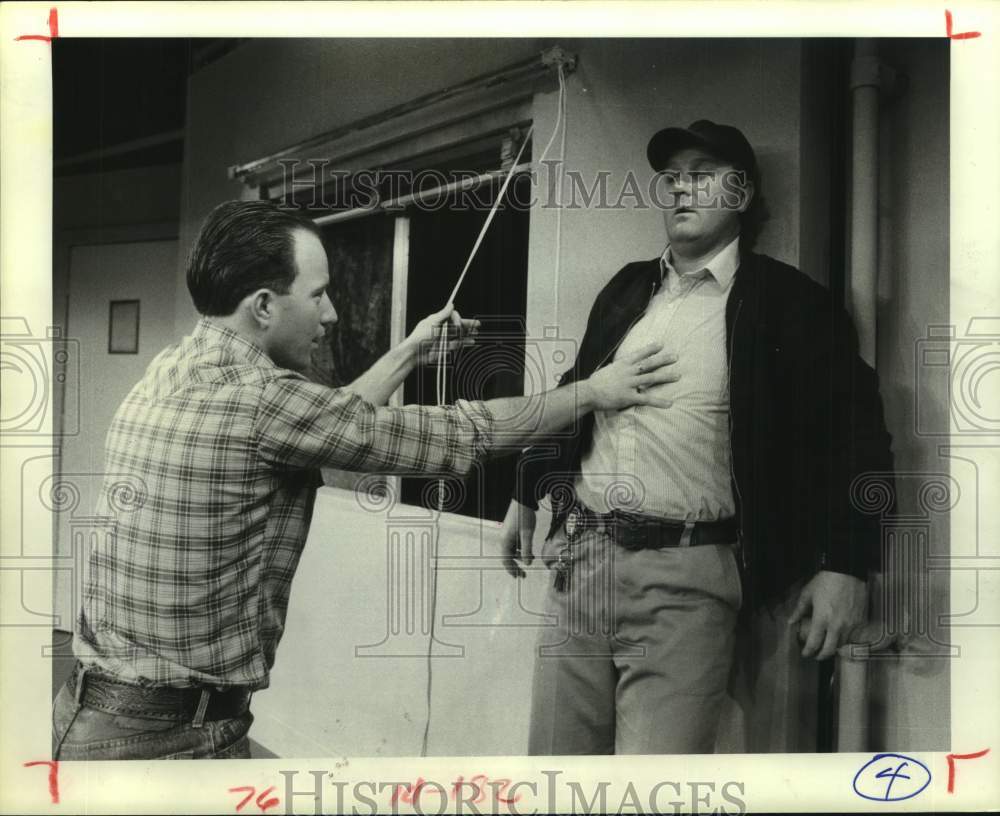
213, 464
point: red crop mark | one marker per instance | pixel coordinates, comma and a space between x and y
953, 35
53, 778
53, 29
951, 765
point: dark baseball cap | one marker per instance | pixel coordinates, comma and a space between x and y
723, 141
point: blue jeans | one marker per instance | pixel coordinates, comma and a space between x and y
89, 733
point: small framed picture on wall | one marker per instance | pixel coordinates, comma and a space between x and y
123, 327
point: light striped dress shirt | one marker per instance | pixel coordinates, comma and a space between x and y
673, 463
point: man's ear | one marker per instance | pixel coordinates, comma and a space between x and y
747, 192
260, 306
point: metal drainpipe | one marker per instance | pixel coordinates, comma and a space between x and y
852, 668
865, 93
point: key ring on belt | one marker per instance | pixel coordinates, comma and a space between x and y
564, 563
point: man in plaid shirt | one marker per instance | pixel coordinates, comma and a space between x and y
219, 448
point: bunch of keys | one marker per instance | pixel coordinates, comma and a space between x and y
564, 565
562, 569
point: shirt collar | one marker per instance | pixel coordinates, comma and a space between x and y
217, 335
722, 266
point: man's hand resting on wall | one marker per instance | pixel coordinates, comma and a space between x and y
829, 607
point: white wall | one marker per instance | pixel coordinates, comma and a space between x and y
329, 699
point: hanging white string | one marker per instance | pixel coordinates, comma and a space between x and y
560, 110
440, 387
441, 373
559, 127
489, 218
441, 379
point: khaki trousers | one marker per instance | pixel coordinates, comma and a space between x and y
638, 657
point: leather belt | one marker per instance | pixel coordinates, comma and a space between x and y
632, 531
95, 689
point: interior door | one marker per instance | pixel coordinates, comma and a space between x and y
143, 271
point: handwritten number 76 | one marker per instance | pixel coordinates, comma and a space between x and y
261, 801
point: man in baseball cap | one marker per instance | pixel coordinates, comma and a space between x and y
668, 523
725, 160
724, 141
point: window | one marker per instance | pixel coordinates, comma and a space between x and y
361, 290
494, 292
390, 269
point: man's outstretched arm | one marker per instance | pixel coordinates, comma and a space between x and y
622, 384
302, 424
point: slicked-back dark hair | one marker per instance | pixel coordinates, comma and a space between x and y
243, 246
